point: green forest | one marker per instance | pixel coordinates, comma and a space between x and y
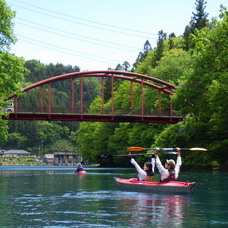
196, 62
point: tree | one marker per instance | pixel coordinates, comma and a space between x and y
142, 55
6, 27
171, 42
11, 67
172, 65
198, 21
63, 145
160, 46
16, 141
203, 94
200, 17
84, 138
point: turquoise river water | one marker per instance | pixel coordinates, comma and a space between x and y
56, 197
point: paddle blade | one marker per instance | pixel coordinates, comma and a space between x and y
136, 148
198, 149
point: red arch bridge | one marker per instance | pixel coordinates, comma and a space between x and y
46, 105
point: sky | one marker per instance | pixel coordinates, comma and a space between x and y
97, 34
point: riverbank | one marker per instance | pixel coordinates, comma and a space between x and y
9, 161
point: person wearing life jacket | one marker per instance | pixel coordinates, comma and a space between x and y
171, 170
79, 168
145, 174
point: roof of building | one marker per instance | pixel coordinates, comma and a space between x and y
16, 152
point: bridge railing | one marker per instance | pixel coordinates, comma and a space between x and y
117, 112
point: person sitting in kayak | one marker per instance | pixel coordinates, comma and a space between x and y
171, 170
145, 174
79, 168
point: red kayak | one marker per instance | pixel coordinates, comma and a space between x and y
156, 187
81, 172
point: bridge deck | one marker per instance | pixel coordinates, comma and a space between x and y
95, 117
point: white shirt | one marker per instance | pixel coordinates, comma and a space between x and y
165, 172
141, 173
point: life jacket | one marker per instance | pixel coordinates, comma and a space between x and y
149, 176
80, 168
171, 176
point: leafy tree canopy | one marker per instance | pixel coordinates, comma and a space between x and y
11, 67
6, 26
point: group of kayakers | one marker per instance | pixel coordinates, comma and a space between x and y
168, 172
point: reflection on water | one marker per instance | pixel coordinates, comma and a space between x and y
45, 197
159, 209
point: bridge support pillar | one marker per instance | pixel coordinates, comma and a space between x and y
56, 160
66, 158
74, 160
60, 160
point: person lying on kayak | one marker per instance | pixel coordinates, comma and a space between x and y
171, 170
145, 174
79, 168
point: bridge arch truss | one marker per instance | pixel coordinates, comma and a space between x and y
45, 110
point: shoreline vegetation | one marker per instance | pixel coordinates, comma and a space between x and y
30, 161
11, 161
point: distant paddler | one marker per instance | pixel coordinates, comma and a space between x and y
80, 169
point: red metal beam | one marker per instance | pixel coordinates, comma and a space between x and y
131, 96
142, 99
49, 98
102, 96
41, 99
81, 96
165, 86
159, 103
72, 95
92, 117
112, 89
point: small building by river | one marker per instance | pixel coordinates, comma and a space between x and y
63, 158
16, 153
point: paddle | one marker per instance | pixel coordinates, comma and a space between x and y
142, 149
129, 155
